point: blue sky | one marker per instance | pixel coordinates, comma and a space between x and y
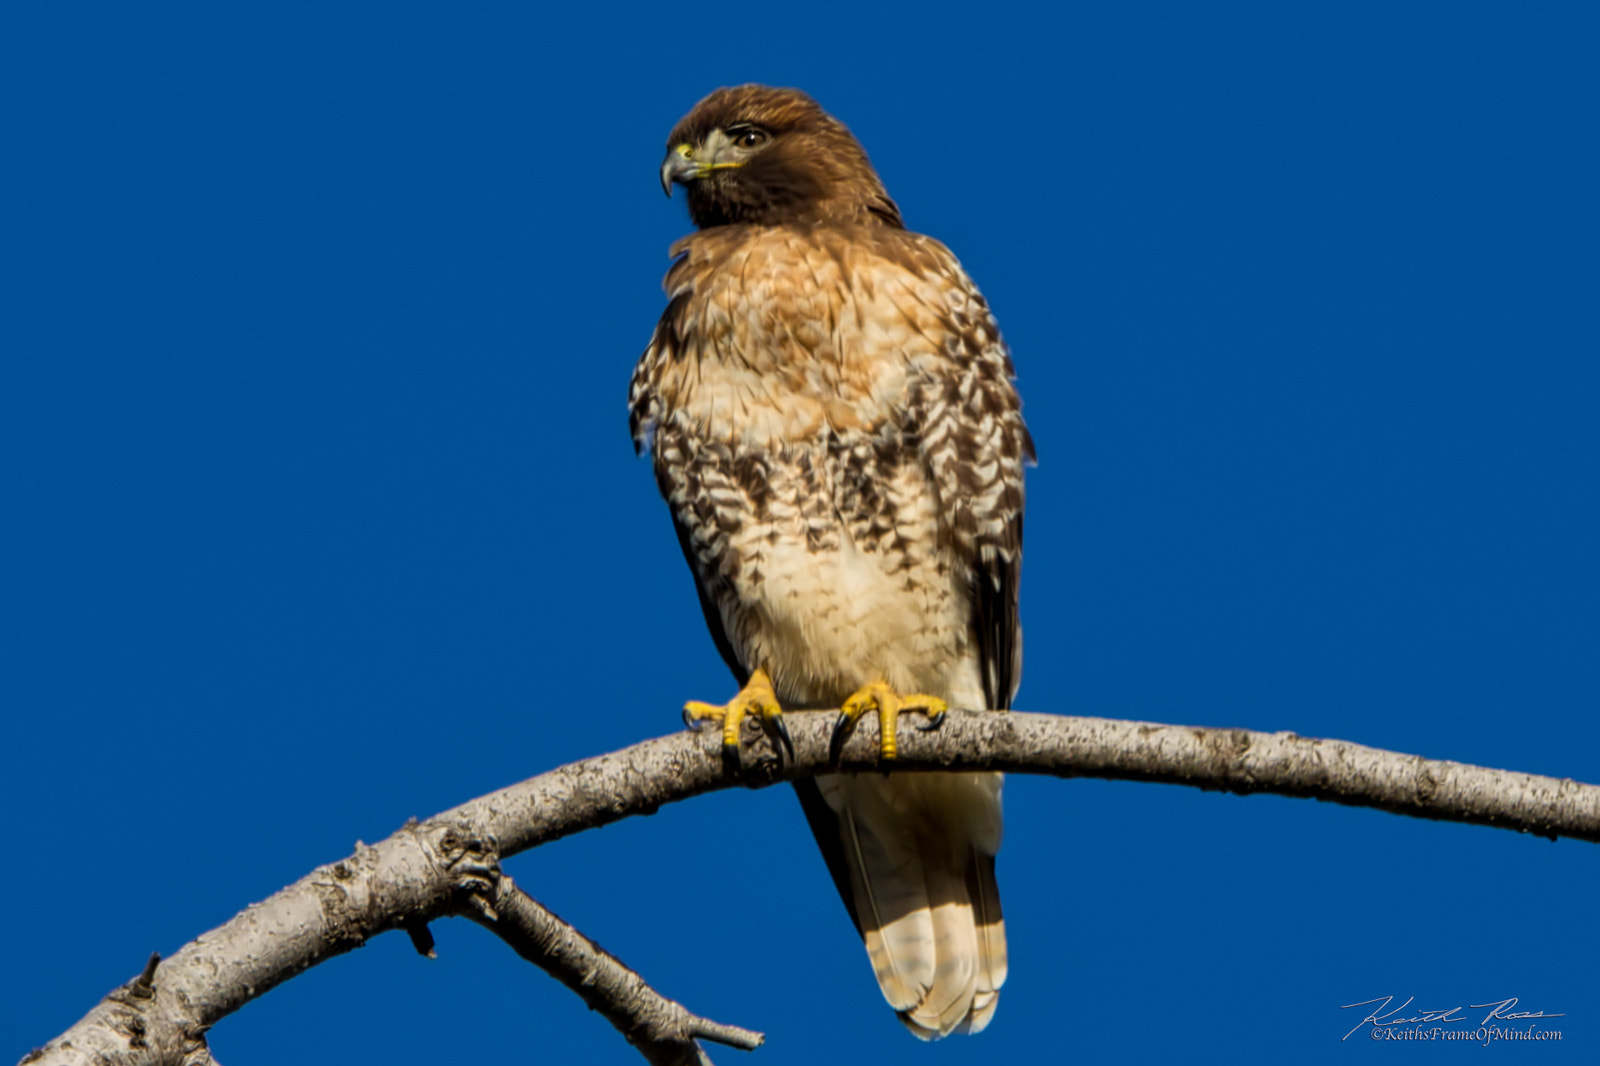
318, 511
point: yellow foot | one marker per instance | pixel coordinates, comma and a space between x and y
755, 698
889, 704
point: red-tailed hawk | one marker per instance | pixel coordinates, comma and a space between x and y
831, 415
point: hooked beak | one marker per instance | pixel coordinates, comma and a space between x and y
687, 162
679, 167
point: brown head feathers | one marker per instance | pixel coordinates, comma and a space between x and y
764, 156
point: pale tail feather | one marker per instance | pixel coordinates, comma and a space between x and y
918, 849
984, 892
983, 1005
991, 931
885, 884
949, 997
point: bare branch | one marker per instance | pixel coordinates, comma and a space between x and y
663, 1030
451, 862
421, 939
640, 779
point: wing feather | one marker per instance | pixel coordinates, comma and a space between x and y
962, 409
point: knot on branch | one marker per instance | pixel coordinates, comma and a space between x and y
472, 861
1227, 749
1427, 785
144, 986
139, 990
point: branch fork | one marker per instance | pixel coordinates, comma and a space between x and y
450, 864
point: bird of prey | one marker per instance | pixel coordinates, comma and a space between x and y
831, 416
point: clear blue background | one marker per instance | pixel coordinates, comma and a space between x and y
319, 512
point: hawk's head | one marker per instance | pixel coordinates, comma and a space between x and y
771, 156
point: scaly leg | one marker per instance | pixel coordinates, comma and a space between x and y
889, 704
756, 698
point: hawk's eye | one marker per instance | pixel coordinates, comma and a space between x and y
748, 136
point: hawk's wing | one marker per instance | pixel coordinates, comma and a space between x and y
963, 412
643, 410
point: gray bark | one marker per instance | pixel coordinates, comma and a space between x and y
449, 864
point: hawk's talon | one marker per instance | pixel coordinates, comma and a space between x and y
755, 698
889, 704
842, 728
934, 722
785, 742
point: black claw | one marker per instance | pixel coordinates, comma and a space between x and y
785, 742
692, 723
934, 722
841, 733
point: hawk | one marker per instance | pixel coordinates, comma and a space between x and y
831, 417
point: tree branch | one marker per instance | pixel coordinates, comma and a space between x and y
450, 864
663, 1030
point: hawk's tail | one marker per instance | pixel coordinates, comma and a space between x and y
913, 857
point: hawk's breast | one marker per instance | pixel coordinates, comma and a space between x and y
785, 445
